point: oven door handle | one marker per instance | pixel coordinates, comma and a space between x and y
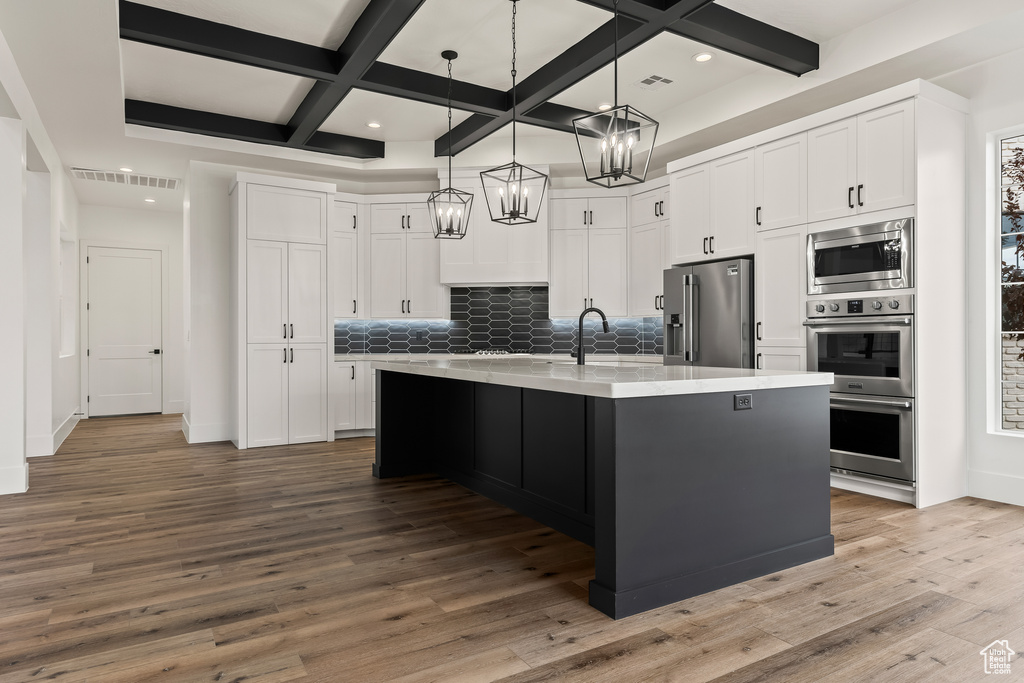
828, 322
873, 402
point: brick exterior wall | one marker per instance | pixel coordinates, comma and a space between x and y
1013, 383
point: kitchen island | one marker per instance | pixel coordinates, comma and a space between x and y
683, 479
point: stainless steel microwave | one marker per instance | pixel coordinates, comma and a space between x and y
864, 258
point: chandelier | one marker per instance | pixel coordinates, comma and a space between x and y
449, 208
616, 145
514, 192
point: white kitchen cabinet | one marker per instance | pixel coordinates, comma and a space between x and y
863, 163
286, 400
286, 214
344, 388
780, 358
588, 268
400, 218
648, 250
287, 297
307, 393
588, 212
344, 260
405, 277
690, 224
731, 231
780, 288
780, 183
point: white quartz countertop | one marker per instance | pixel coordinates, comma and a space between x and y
601, 378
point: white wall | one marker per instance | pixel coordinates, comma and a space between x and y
149, 229
67, 369
996, 460
39, 298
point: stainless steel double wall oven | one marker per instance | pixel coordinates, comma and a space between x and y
866, 339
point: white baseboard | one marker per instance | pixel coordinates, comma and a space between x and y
204, 433
1003, 488
871, 488
65, 429
14, 479
353, 433
37, 445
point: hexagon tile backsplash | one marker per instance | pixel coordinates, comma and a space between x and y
497, 317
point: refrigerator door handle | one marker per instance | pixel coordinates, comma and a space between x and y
694, 343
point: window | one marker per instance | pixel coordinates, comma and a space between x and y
1011, 203
68, 296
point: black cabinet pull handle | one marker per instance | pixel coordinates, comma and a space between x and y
353, 306
584, 216
661, 302
849, 197
408, 305
353, 372
292, 360
291, 326
591, 217
655, 303
353, 221
712, 244
285, 355
705, 245
758, 330
757, 216
403, 305
759, 362
285, 334
662, 209
656, 209
860, 201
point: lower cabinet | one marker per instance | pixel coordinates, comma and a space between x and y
781, 358
286, 392
353, 391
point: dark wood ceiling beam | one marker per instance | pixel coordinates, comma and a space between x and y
154, 26
724, 29
410, 84
373, 31
247, 130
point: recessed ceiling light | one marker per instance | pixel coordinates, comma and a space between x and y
125, 169
150, 200
604, 107
372, 124
702, 57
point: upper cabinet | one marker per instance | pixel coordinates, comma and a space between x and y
780, 183
648, 250
405, 278
344, 260
494, 253
863, 163
399, 218
588, 212
713, 210
286, 214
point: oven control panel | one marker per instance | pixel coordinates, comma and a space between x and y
854, 307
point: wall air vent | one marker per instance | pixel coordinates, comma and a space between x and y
652, 82
122, 178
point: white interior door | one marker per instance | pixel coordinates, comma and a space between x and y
124, 313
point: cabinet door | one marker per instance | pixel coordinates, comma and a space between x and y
567, 214
364, 395
387, 276
645, 208
608, 271
607, 212
780, 286
690, 190
885, 157
345, 216
307, 293
645, 269
425, 296
286, 214
832, 170
266, 396
343, 386
780, 183
266, 283
307, 393
418, 218
732, 205
344, 268
528, 252
570, 265
781, 358
387, 218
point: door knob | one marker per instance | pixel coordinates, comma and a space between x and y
155, 352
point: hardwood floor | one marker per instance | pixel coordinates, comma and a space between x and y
135, 557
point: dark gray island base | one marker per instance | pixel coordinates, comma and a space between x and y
678, 494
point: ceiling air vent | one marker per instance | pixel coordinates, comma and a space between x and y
122, 178
652, 82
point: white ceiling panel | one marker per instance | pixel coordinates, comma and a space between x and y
817, 20
181, 79
480, 31
315, 22
400, 120
668, 56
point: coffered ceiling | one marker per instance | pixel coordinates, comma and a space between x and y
289, 87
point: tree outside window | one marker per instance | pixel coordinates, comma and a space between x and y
1012, 282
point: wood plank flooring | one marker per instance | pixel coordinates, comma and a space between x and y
135, 557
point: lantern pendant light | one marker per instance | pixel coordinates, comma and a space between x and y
514, 192
449, 208
616, 145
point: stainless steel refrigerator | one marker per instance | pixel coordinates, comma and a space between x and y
709, 309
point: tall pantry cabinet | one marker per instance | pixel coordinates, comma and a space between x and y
281, 325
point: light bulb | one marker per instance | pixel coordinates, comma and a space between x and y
629, 142
513, 189
501, 192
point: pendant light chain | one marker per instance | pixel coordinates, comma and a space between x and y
514, 79
449, 121
615, 4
